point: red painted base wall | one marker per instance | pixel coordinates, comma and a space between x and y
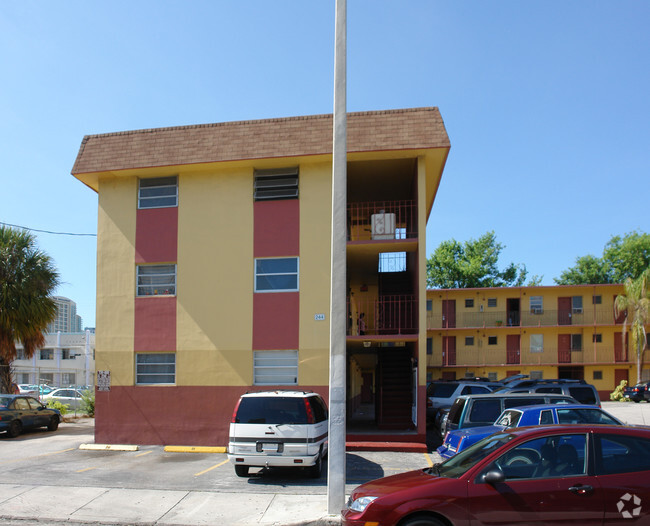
180, 415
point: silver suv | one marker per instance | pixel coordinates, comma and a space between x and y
279, 429
442, 393
579, 389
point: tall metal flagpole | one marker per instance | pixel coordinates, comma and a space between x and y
338, 311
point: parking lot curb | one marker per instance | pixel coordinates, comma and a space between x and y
108, 447
195, 449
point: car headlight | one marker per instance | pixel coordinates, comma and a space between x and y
361, 503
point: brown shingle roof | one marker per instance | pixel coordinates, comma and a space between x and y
407, 129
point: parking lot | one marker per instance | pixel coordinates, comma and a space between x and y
47, 475
40, 457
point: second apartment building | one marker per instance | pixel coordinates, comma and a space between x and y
567, 332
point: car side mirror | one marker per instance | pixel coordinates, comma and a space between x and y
494, 476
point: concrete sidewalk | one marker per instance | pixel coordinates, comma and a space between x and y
31, 505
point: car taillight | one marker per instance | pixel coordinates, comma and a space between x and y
310, 413
429, 402
234, 413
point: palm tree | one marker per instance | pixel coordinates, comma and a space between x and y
635, 303
27, 278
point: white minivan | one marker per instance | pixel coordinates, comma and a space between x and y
278, 429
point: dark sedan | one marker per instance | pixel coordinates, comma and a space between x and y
598, 474
18, 412
638, 392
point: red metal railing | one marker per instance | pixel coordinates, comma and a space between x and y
390, 314
382, 220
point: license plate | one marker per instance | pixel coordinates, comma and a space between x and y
269, 447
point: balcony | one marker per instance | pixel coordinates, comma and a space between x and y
545, 318
382, 220
385, 315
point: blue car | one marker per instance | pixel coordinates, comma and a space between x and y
533, 415
19, 412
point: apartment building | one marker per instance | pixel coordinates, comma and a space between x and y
546, 332
214, 271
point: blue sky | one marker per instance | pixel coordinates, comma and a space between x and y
546, 104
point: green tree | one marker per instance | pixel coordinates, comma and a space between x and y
623, 257
635, 303
27, 278
471, 264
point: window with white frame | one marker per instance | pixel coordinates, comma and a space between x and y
536, 343
536, 305
276, 275
275, 367
276, 184
155, 368
392, 262
158, 192
156, 280
47, 354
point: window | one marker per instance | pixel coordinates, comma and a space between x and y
492, 340
536, 375
276, 184
469, 303
276, 275
546, 417
392, 262
47, 354
155, 368
598, 375
492, 302
536, 343
597, 300
158, 192
156, 280
275, 367
536, 305
576, 304
621, 454
67, 354
429, 305
597, 338
469, 340
576, 342
429, 345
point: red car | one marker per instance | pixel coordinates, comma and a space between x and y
577, 474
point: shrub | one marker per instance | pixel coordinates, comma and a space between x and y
64, 409
88, 402
617, 395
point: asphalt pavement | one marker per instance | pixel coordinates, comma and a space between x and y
262, 502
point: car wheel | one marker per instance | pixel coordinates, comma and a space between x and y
242, 471
15, 428
316, 470
422, 521
54, 424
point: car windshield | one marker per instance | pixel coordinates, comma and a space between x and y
468, 458
272, 410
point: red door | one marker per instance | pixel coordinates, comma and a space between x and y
620, 352
449, 350
564, 311
448, 314
513, 348
563, 348
619, 376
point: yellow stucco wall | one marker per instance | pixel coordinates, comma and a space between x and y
116, 278
215, 277
315, 261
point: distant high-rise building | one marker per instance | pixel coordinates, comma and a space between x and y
66, 319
